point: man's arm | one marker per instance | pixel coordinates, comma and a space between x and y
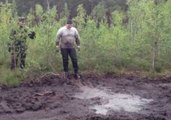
12, 34
77, 36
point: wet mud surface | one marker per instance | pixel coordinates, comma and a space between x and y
53, 98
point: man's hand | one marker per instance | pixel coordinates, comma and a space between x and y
78, 47
57, 48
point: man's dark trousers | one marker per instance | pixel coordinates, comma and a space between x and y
66, 52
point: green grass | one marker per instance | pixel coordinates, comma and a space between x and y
10, 78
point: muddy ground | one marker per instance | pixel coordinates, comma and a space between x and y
52, 98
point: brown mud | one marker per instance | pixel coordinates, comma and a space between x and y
52, 98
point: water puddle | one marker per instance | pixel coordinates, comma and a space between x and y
110, 101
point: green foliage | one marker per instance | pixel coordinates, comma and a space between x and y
147, 30
5, 22
11, 78
39, 9
81, 16
98, 11
66, 10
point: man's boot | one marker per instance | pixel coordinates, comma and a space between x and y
66, 75
77, 76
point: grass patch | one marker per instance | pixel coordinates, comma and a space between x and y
11, 78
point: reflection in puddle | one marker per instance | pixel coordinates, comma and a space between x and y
112, 101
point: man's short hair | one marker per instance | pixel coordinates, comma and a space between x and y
21, 19
69, 21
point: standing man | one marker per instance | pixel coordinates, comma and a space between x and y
17, 45
67, 40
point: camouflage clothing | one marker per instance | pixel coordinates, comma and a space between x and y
18, 47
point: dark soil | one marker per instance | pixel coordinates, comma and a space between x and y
52, 98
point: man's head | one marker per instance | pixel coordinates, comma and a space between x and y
69, 23
21, 21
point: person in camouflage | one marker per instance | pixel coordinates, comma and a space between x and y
17, 45
67, 40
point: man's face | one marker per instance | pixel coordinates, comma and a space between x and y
68, 26
21, 23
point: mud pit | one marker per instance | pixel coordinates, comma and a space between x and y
91, 98
112, 101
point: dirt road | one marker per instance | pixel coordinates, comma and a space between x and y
91, 98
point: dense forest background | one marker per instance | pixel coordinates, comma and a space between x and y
24, 6
116, 35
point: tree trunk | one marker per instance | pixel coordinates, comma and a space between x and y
155, 52
109, 18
